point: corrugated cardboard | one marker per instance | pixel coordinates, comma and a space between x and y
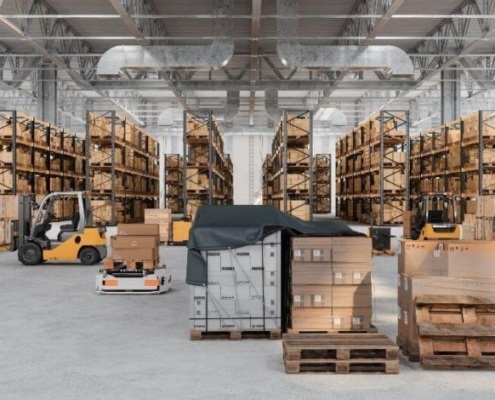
329, 276
135, 242
351, 249
137, 255
470, 259
138, 229
411, 287
422, 257
312, 249
331, 295
332, 319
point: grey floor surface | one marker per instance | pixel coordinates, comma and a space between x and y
59, 340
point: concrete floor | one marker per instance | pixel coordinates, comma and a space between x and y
59, 340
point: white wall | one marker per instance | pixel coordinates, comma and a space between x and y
248, 150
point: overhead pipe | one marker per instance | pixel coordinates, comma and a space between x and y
392, 60
228, 113
336, 117
193, 58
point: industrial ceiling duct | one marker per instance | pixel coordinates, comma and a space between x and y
333, 115
228, 113
392, 60
170, 116
271, 105
199, 57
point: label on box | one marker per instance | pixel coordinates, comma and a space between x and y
406, 283
337, 321
357, 275
297, 253
357, 320
317, 298
297, 298
405, 317
436, 253
339, 276
316, 253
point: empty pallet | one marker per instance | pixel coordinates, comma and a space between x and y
235, 335
340, 353
456, 332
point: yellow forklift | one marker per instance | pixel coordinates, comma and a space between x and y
79, 240
437, 218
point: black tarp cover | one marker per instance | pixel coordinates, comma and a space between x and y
224, 227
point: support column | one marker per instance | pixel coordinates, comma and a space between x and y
47, 93
450, 95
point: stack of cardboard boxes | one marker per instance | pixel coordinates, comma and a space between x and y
136, 245
243, 289
464, 268
331, 283
162, 217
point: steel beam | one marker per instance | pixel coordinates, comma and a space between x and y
450, 95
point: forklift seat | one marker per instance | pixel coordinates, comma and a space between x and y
67, 230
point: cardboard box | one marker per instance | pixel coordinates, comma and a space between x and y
470, 259
422, 257
331, 295
137, 255
351, 249
135, 242
312, 248
138, 229
332, 318
411, 287
337, 274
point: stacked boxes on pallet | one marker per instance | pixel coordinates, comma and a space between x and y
135, 245
243, 289
464, 268
331, 283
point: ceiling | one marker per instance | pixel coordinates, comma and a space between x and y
73, 35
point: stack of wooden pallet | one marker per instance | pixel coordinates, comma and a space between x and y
456, 332
340, 353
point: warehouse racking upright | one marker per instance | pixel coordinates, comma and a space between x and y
267, 181
373, 171
207, 170
122, 171
292, 165
322, 175
174, 183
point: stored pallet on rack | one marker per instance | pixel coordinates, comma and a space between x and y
321, 183
122, 168
37, 157
207, 170
372, 170
289, 173
174, 183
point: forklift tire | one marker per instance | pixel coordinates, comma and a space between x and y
89, 256
30, 254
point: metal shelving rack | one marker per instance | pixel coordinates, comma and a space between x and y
174, 183
121, 168
207, 170
322, 174
373, 170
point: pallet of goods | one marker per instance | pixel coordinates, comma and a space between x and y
162, 217
242, 297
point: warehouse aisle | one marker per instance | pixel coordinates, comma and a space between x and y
59, 340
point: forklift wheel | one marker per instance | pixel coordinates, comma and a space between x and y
89, 256
30, 254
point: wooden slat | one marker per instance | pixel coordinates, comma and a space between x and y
468, 300
456, 330
458, 362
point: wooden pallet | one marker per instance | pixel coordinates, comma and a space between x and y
456, 332
386, 252
411, 353
341, 354
306, 331
235, 335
